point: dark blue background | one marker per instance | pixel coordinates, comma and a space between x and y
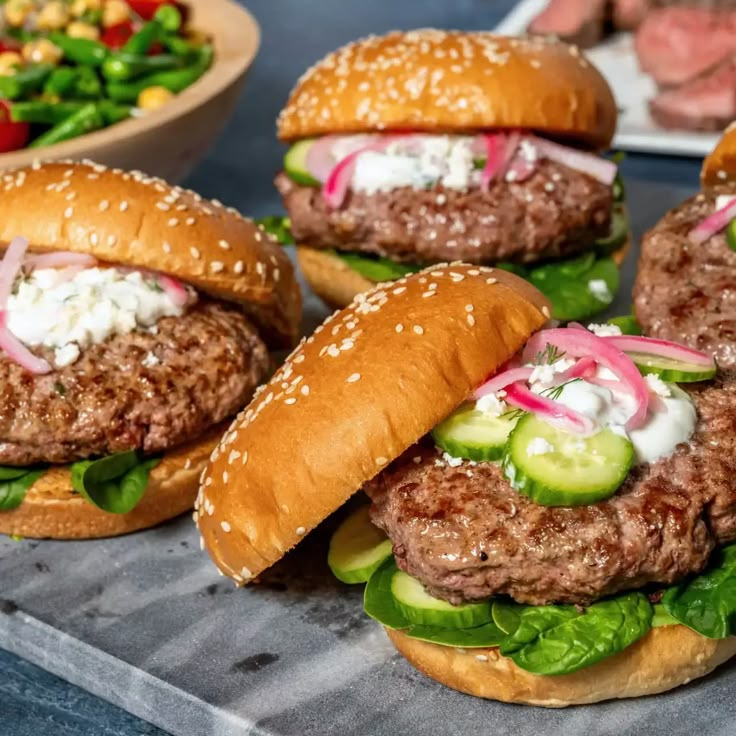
238, 171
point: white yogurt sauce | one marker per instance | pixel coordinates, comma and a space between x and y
52, 310
419, 162
671, 418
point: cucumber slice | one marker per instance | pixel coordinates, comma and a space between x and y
473, 435
421, 608
731, 234
506, 615
295, 163
378, 601
576, 471
357, 548
671, 371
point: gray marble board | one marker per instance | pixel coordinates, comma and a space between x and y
145, 622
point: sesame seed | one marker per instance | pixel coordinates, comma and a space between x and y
224, 245
469, 307
225, 526
355, 377
112, 239
300, 530
166, 246
381, 461
305, 390
418, 329
190, 220
471, 320
225, 476
245, 457
217, 266
173, 222
545, 311
123, 206
399, 327
163, 206
481, 657
69, 213
104, 205
195, 252
245, 573
491, 281
238, 267
290, 401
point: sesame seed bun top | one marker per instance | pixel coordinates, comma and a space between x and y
131, 219
370, 382
719, 166
452, 81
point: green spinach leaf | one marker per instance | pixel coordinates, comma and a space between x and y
278, 226
379, 602
487, 635
507, 615
707, 603
617, 233
14, 484
556, 640
116, 483
567, 284
377, 269
627, 324
662, 618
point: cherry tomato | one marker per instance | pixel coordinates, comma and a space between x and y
12, 135
147, 8
116, 36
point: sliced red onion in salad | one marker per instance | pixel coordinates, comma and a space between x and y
503, 379
599, 168
500, 149
10, 267
660, 348
175, 289
713, 224
18, 352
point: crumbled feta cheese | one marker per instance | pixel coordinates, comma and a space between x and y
419, 161
605, 330
658, 386
539, 446
723, 200
150, 360
70, 312
453, 462
599, 289
490, 404
546, 373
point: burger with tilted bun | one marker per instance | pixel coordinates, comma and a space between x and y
430, 146
552, 510
135, 318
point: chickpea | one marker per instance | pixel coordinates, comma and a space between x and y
79, 29
80, 7
17, 11
53, 16
9, 63
42, 51
152, 98
114, 12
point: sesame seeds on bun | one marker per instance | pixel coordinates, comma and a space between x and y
452, 81
131, 219
371, 381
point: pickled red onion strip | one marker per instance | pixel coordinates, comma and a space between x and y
580, 343
501, 380
175, 290
18, 352
60, 259
599, 168
551, 411
713, 224
10, 268
584, 368
320, 160
660, 348
500, 149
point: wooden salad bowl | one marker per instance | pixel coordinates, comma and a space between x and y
169, 142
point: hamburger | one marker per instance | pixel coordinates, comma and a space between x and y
551, 516
135, 318
431, 146
685, 288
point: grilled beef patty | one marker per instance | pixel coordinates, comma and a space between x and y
557, 212
686, 292
467, 535
145, 390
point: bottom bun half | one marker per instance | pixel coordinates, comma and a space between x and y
53, 510
333, 281
667, 657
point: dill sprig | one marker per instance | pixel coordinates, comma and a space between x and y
550, 354
553, 393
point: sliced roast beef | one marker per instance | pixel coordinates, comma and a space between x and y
576, 21
705, 103
677, 44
